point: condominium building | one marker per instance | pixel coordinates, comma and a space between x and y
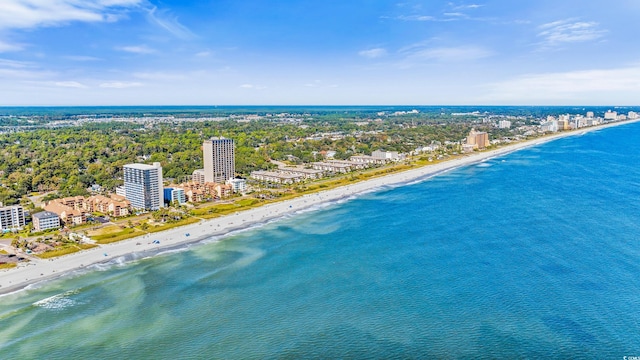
219, 160
504, 124
143, 186
479, 139
611, 115
238, 185
11, 218
198, 176
45, 220
172, 195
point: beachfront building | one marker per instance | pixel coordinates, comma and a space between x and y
311, 174
67, 214
219, 160
386, 155
549, 126
479, 139
329, 167
367, 160
564, 124
174, 195
45, 220
196, 192
611, 115
11, 218
276, 177
116, 205
238, 185
143, 186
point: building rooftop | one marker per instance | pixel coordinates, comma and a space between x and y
44, 215
140, 166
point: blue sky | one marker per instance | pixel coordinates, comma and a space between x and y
297, 52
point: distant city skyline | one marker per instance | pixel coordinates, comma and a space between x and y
422, 52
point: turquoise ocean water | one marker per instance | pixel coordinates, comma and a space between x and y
532, 255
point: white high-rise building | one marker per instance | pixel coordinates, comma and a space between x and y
11, 218
504, 124
611, 115
143, 186
219, 160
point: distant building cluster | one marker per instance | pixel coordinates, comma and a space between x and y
73, 210
317, 170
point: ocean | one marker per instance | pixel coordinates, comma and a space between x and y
535, 254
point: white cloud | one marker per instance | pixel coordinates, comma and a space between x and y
81, 58
465, 7
373, 53
203, 54
169, 23
139, 49
607, 85
8, 47
445, 54
70, 84
416, 18
120, 85
24, 14
569, 31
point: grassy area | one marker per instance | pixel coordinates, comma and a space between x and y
120, 235
8, 266
168, 226
225, 209
65, 250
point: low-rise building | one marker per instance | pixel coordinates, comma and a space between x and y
305, 173
67, 214
174, 195
196, 192
332, 167
238, 185
276, 177
116, 205
45, 220
388, 155
368, 160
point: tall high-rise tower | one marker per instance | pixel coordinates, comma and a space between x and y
143, 186
219, 160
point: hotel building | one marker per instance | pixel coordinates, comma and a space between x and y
143, 186
219, 160
478, 139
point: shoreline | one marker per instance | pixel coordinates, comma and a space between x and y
19, 278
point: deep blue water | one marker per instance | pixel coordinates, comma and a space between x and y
532, 255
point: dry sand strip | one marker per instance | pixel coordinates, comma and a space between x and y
42, 270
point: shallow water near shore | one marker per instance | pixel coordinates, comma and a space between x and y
533, 254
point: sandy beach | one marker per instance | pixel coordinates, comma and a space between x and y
42, 270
